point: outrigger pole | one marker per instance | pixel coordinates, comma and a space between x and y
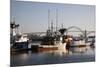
56, 19
48, 19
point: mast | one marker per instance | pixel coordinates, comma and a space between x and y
14, 27
52, 26
48, 19
62, 18
62, 25
56, 19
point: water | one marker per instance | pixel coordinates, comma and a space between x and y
68, 55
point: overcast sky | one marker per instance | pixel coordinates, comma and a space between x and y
33, 16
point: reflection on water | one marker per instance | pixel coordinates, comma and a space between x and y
75, 54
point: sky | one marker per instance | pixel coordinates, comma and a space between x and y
33, 16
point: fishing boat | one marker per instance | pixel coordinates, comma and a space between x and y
50, 43
54, 39
18, 41
21, 43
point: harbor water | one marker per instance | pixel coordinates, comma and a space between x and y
68, 55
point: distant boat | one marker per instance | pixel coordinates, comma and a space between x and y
83, 43
80, 43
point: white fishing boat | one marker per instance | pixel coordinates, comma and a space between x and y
19, 41
22, 42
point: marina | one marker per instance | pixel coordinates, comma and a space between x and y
51, 49
47, 33
53, 40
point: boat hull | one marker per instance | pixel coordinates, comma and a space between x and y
48, 47
20, 46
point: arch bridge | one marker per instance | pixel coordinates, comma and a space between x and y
84, 32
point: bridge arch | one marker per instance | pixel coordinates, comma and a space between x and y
75, 27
